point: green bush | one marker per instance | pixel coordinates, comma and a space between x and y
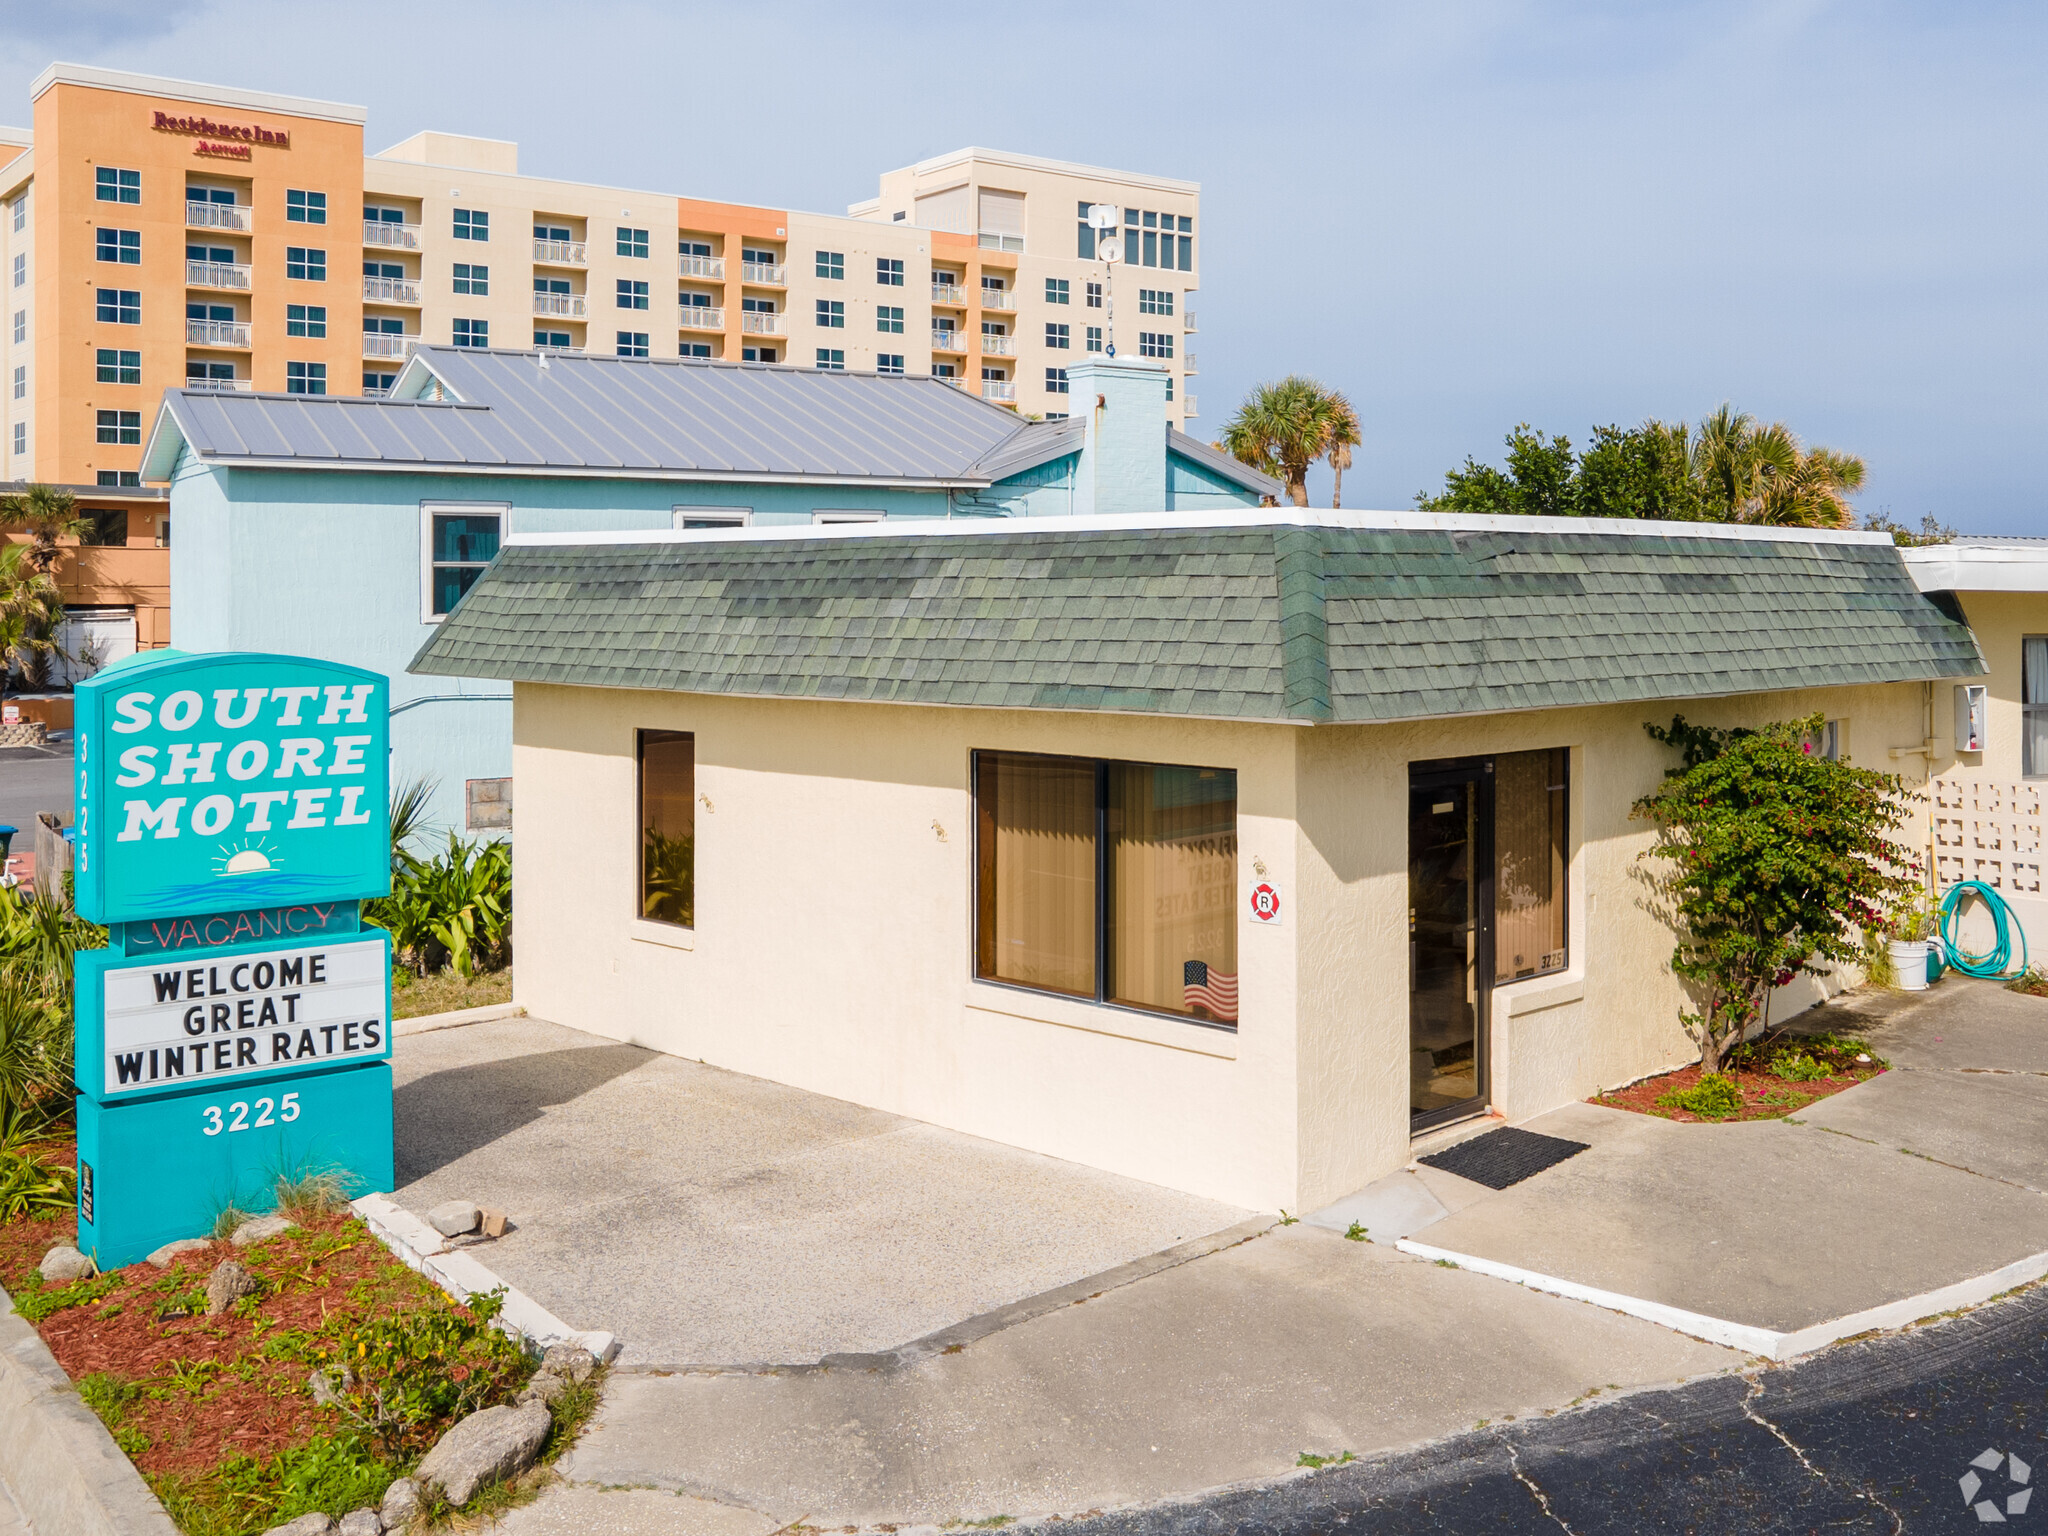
330, 1474
453, 910
30, 1188
1796, 1067
1714, 1097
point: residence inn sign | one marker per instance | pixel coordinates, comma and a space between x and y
232, 816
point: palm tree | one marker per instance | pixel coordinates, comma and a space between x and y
31, 606
1283, 428
46, 514
1749, 472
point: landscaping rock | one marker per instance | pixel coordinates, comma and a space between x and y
361, 1522
401, 1504
492, 1443
570, 1360
305, 1525
228, 1284
165, 1256
545, 1386
452, 1218
261, 1228
63, 1264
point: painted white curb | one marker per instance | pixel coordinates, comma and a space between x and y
427, 1023
419, 1246
1767, 1342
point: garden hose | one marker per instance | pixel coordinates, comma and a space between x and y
1998, 962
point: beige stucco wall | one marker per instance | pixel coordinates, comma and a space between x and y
834, 899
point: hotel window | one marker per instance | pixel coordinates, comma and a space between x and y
1056, 336
693, 349
756, 258
460, 543
117, 306
757, 306
557, 341
116, 478
632, 295
1155, 344
206, 373
115, 367
305, 263
21, 437
112, 186
668, 827
1095, 295
383, 269
21, 381
378, 383
831, 314
1114, 882
305, 378
2034, 706
21, 269
472, 277
472, 224
831, 358
1155, 301
693, 247
20, 206
120, 426
1056, 290
944, 371
219, 255
305, 207
383, 325
1094, 339
632, 242
305, 320
757, 354
832, 264
122, 245
472, 333
631, 344
21, 323
994, 376
550, 285
1056, 381
889, 318
558, 233
888, 362
375, 215
888, 272
1529, 861
1086, 247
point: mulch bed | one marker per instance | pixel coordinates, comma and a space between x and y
1765, 1095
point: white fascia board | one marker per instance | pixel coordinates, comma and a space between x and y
581, 472
1248, 517
412, 380
20, 138
1059, 167
1963, 568
194, 91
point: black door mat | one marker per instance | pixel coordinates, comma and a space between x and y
1503, 1157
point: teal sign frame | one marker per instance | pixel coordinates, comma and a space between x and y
222, 782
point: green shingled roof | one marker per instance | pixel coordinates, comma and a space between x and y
1266, 621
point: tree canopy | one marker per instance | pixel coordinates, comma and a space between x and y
1283, 428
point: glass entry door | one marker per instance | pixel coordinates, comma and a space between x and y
1450, 938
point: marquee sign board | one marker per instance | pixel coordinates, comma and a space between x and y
217, 782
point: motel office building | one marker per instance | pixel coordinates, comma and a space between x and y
1228, 851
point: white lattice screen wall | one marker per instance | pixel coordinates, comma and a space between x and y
1989, 831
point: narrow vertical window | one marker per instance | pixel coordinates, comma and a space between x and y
1036, 854
1529, 858
2034, 706
1171, 836
668, 827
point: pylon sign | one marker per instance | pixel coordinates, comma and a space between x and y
232, 814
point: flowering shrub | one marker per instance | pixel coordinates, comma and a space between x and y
1776, 859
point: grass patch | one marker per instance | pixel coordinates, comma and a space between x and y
414, 997
1312, 1461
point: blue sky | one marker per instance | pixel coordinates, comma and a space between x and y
1464, 215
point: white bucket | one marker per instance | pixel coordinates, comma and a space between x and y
1909, 959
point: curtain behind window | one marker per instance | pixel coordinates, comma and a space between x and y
1036, 875
1173, 888
1529, 863
2034, 706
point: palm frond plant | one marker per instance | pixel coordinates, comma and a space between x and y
1281, 429
453, 910
668, 878
45, 513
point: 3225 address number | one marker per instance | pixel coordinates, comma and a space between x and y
236, 1116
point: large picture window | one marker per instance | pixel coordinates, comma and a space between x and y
1529, 859
1110, 881
668, 827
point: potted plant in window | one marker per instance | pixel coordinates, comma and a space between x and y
1911, 926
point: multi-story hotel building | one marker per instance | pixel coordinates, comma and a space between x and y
157, 233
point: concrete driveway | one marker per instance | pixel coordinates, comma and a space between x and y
713, 1219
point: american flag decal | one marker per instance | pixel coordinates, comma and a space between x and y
1211, 992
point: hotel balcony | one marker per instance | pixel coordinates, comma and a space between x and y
998, 298
388, 344
757, 322
949, 294
703, 317
234, 216
399, 237
222, 386
1187, 321
567, 305
1187, 407
216, 274
999, 389
391, 290
542, 346
712, 267
949, 341
998, 346
218, 333
560, 253
762, 274
994, 240
1187, 365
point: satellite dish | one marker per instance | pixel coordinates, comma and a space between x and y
1110, 251
1110, 350
1102, 216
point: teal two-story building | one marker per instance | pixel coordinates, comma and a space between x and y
347, 528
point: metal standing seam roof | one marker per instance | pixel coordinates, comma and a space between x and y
1269, 620
532, 412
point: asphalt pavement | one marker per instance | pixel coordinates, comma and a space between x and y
1878, 1436
33, 779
